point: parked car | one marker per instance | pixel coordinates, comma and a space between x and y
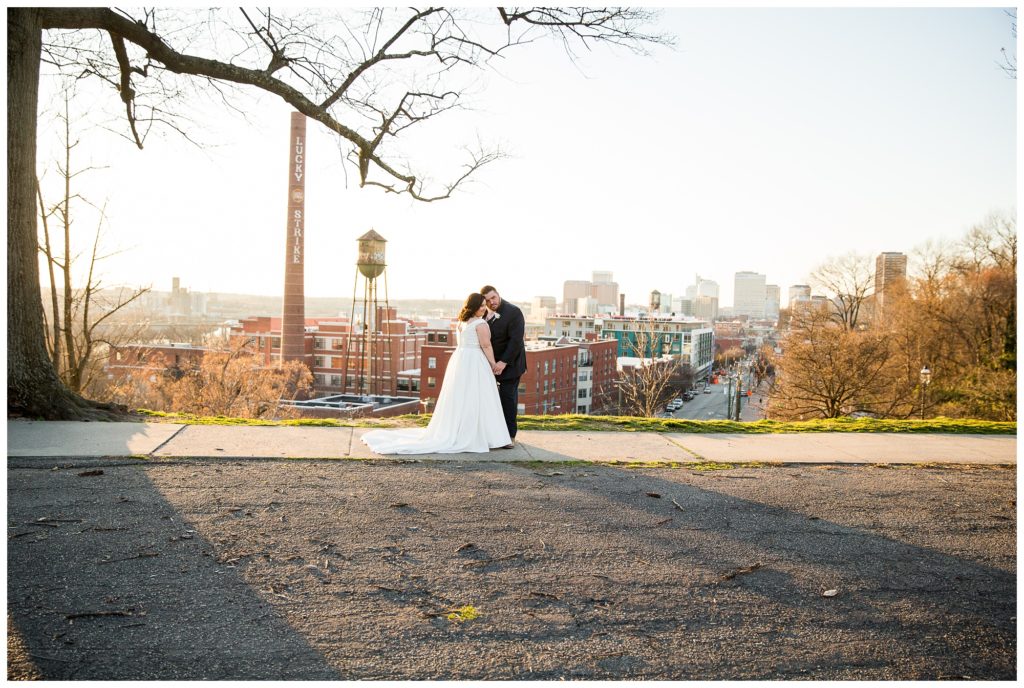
707, 390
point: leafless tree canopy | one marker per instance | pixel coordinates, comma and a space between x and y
647, 386
79, 332
371, 76
368, 75
851, 278
957, 316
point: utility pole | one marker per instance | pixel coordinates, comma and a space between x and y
739, 394
728, 399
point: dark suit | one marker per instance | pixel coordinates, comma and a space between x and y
508, 331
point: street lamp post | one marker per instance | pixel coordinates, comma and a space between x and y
926, 377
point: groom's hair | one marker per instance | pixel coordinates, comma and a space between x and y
487, 289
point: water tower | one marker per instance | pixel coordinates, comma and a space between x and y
365, 343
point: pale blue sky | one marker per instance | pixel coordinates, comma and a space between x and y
768, 140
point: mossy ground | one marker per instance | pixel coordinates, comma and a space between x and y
580, 423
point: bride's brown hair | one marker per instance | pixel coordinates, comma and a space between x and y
472, 305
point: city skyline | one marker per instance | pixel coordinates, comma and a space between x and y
759, 158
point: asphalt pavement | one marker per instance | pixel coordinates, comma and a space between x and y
166, 567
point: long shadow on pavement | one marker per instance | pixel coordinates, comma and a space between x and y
112, 584
579, 571
901, 604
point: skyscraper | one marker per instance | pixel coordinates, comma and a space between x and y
702, 287
604, 289
705, 308
573, 290
749, 294
890, 275
772, 301
798, 292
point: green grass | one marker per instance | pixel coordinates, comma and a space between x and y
191, 419
580, 423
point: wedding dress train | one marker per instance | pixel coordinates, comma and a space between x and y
468, 416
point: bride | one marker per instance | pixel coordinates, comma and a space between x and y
468, 416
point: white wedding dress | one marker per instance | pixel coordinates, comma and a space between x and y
468, 416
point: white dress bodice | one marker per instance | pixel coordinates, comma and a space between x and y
466, 335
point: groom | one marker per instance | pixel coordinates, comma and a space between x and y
508, 329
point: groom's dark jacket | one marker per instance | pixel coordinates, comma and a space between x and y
507, 333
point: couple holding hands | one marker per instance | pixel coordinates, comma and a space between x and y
476, 408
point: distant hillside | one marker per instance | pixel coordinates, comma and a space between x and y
246, 305
224, 305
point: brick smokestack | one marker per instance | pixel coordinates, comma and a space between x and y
293, 316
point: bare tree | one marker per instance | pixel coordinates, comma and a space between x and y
237, 383
851, 279
368, 76
728, 357
79, 335
649, 384
227, 382
960, 318
827, 371
1009, 64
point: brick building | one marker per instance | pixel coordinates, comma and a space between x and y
337, 355
562, 376
149, 360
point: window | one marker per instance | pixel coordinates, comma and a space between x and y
522, 389
431, 382
318, 362
318, 342
581, 409
582, 394
545, 386
275, 342
554, 365
545, 369
432, 362
521, 408
335, 380
442, 338
430, 337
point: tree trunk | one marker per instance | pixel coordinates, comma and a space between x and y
33, 387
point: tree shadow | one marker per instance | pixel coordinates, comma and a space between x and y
111, 584
580, 571
844, 577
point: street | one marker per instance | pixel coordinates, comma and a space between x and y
715, 405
